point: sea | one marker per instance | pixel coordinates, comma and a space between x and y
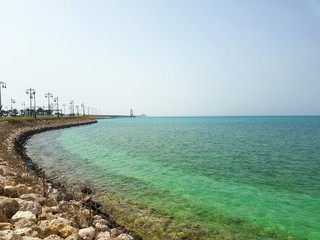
195, 177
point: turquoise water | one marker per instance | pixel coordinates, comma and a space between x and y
212, 177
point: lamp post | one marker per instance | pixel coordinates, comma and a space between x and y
2, 85
56, 100
35, 106
31, 92
83, 107
12, 102
64, 108
48, 95
77, 109
72, 108
24, 108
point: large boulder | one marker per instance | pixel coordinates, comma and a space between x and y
9, 206
87, 233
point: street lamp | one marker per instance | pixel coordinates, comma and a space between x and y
24, 108
77, 109
83, 107
72, 108
56, 99
64, 108
48, 95
31, 92
2, 85
12, 102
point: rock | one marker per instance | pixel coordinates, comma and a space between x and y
23, 189
86, 190
35, 208
9, 206
87, 233
9, 235
26, 232
3, 217
60, 226
53, 237
103, 236
33, 198
125, 236
1, 189
7, 171
67, 231
96, 217
24, 215
81, 220
115, 232
5, 226
99, 220
101, 227
74, 237
30, 238
10, 191
24, 223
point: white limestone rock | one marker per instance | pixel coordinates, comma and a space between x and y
35, 208
26, 232
125, 236
103, 236
53, 237
24, 215
33, 198
87, 233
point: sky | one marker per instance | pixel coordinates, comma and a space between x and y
164, 57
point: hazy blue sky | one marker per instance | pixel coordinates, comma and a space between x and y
164, 57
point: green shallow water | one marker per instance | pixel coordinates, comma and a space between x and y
246, 177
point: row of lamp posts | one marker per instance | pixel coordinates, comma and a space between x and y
32, 95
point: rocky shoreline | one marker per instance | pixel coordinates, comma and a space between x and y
33, 207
